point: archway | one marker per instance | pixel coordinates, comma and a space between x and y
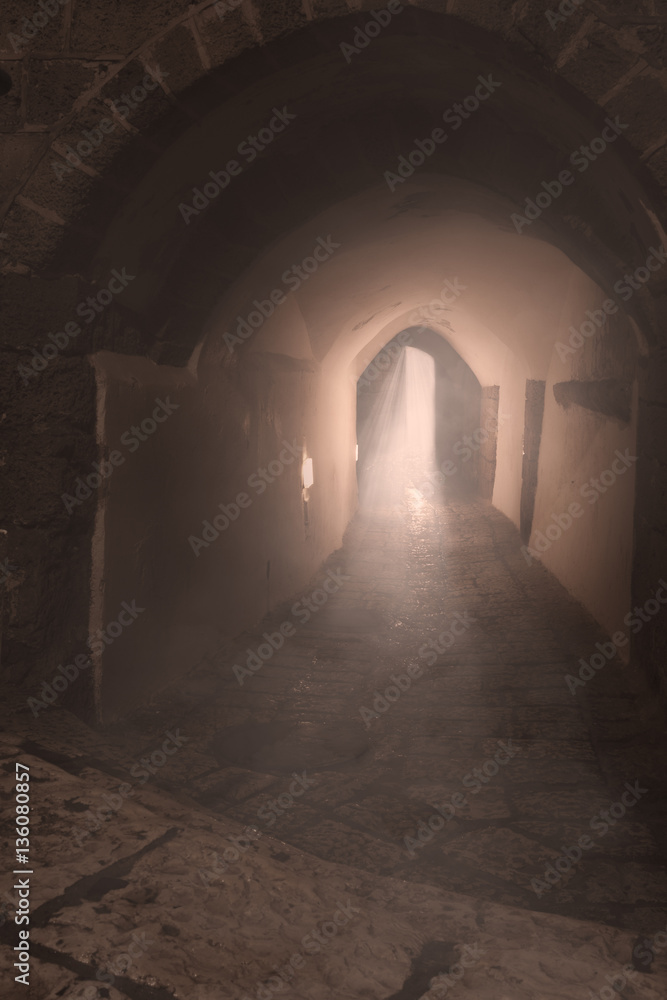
215, 219
273, 370
187, 251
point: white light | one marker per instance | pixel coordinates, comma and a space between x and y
356, 454
419, 439
307, 473
398, 434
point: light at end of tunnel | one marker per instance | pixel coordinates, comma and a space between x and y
307, 473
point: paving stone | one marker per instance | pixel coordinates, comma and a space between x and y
500, 685
579, 803
502, 852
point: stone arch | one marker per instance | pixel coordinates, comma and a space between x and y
254, 387
62, 242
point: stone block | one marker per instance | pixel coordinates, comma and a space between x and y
18, 151
492, 15
437, 6
654, 42
622, 13
11, 106
122, 27
57, 187
52, 418
53, 86
28, 29
48, 608
31, 239
277, 17
329, 8
224, 36
138, 103
598, 62
91, 139
640, 104
178, 58
535, 25
34, 307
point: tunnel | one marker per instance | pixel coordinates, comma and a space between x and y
239, 407
333, 534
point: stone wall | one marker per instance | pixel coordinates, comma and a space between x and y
62, 236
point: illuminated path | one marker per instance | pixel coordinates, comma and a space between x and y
293, 794
382, 766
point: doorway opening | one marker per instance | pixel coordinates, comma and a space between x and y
396, 424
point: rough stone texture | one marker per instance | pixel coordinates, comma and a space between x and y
492, 16
276, 17
636, 107
117, 26
58, 225
157, 871
18, 150
654, 39
225, 37
549, 42
328, 8
33, 307
155, 858
101, 156
30, 239
53, 86
177, 57
599, 62
49, 417
50, 36
147, 109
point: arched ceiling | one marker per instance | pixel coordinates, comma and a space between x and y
354, 119
388, 257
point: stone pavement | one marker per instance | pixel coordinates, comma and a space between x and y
431, 788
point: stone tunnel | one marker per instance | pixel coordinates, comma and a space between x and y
229, 229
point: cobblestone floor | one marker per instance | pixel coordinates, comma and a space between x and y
376, 758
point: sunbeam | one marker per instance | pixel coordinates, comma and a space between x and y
397, 440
